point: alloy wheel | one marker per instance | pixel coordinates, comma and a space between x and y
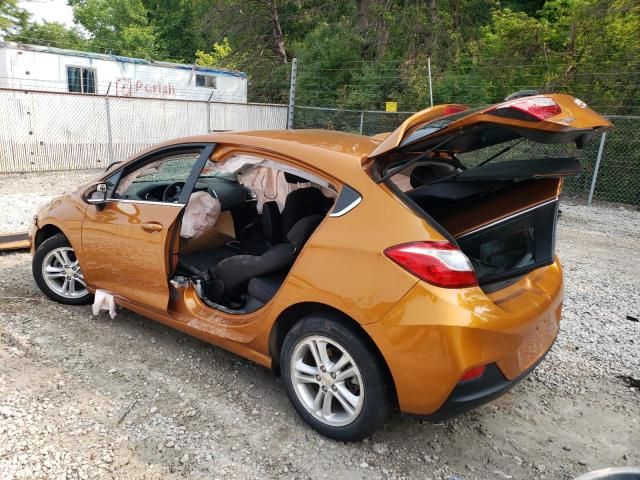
62, 274
327, 381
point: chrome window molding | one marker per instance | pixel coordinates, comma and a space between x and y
144, 202
347, 209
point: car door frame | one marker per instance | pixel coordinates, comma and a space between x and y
207, 148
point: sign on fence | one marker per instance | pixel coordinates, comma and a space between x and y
391, 106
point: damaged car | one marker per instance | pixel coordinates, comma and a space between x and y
374, 274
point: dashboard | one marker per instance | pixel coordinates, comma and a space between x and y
227, 190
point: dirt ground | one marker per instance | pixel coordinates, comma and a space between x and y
91, 397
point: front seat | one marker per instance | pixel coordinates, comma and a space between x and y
301, 203
229, 279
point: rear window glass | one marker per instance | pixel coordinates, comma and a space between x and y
438, 124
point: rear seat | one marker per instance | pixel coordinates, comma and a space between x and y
265, 287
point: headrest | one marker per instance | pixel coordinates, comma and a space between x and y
302, 230
291, 178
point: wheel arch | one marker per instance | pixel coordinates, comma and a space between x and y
294, 313
45, 232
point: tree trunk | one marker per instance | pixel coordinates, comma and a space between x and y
278, 37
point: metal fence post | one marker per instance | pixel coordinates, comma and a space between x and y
292, 92
361, 122
109, 132
596, 168
430, 83
209, 113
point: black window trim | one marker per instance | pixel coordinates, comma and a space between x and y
205, 152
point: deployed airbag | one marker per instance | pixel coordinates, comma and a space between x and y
200, 214
104, 300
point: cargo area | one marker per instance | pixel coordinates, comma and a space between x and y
456, 167
505, 226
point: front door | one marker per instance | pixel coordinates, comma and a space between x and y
127, 241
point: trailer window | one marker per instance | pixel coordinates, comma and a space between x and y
208, 81
81, 80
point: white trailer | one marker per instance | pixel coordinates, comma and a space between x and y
31, 67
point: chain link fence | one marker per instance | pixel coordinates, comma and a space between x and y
43, 131
617, 178
364, 122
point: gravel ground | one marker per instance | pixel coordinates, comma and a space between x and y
91, 397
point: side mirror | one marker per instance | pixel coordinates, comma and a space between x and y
97, 195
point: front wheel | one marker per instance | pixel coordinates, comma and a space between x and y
57, 272
334, 379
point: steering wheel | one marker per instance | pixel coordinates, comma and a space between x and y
171, 194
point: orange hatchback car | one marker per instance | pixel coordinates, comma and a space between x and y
373, 273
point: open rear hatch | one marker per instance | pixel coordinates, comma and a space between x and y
501, 211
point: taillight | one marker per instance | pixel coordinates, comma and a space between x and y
439, 263
451, 109
472, 374
539, 108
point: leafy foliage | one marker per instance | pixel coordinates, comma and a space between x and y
361, 53
11, 16
53, 34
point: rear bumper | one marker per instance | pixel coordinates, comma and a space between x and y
433, 336
474, 393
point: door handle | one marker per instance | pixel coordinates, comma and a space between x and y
151, 227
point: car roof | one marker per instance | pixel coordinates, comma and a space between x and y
339, 154
288, 142
348, 143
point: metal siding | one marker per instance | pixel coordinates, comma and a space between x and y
250, 116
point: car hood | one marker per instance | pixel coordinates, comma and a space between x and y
552, 118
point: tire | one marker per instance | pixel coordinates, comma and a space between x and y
57, 272
365, 389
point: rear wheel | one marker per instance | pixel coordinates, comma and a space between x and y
333, 378
57, 272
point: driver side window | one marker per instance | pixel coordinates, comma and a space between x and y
160, 180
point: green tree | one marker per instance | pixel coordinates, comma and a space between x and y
53, 34
218, 55
118, 26
12, 17
177, 27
